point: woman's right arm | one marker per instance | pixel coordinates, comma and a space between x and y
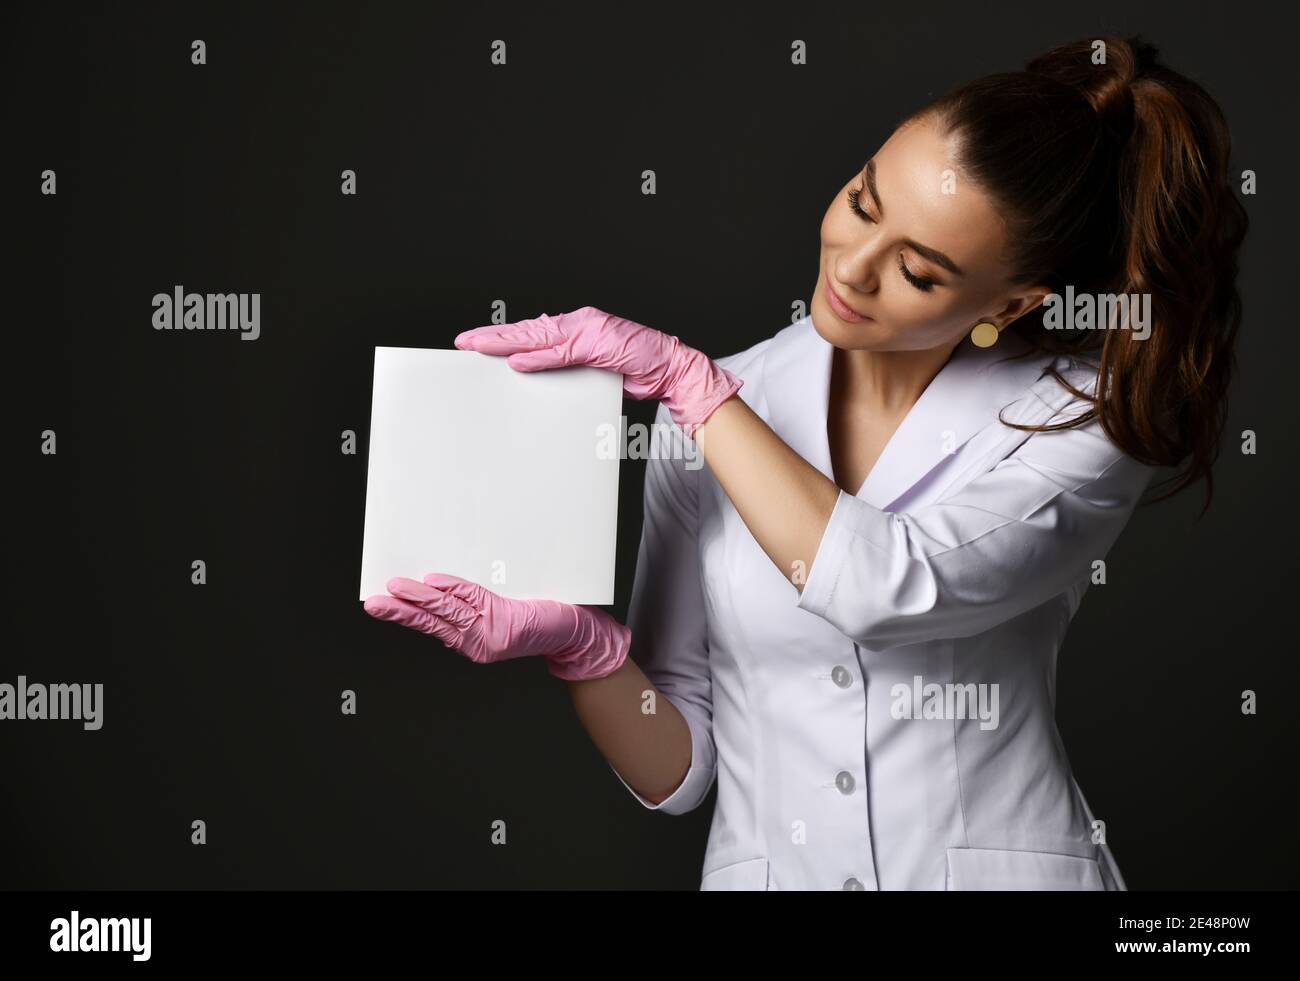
653, 717
651, 752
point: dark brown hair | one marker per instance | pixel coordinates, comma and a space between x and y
1113, 179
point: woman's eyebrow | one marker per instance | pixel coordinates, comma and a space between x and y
934, 255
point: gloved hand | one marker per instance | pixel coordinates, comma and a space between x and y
654, 365
578, 642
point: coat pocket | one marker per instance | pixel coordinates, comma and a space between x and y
749, 875
998, 868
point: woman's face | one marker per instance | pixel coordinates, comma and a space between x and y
925, 265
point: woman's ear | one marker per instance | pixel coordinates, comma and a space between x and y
1020, 303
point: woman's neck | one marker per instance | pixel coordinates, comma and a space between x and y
884, 381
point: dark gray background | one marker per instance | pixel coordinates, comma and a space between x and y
522, 183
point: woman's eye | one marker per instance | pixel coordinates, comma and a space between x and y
920, 282
854, 192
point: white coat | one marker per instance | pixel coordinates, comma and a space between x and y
960, 562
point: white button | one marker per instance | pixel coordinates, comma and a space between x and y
853, 884
841, 676
844, 780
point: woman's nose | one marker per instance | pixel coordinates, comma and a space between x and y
856, 270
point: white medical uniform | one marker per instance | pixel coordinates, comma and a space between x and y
958, 564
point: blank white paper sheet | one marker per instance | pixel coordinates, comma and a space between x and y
492, 475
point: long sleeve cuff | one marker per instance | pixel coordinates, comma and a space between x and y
690, 793
832, 552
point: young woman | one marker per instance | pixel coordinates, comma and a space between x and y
850, 618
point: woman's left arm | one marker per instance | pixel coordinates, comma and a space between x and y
785, 502
1000, 545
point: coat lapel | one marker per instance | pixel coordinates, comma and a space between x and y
962, 399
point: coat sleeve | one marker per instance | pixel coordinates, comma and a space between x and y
998, 546
666, 614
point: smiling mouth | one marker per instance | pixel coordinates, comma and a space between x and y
840, 308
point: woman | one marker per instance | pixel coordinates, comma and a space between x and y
850, 619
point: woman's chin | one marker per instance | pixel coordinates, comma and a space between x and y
865, 335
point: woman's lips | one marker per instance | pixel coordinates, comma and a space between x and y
840, 308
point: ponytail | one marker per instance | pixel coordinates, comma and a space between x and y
1113, 171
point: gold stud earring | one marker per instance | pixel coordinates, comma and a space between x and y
984, 334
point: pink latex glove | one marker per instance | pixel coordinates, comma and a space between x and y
578, 642
654, 365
